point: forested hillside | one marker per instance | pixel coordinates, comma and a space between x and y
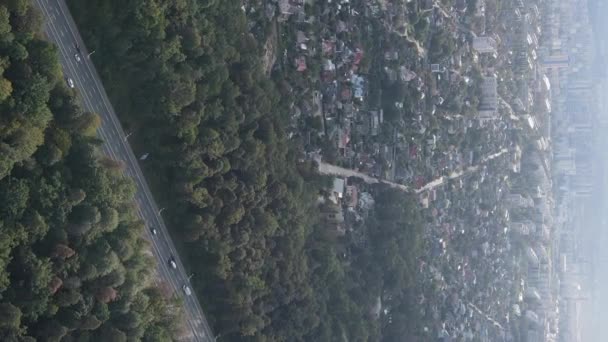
187, 80
73, 263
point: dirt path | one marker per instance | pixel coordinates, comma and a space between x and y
329, 169
457, 174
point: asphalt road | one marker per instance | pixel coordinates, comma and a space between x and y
62, 31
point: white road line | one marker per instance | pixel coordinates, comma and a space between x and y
107, 146
110, 151
76, 75
133, 164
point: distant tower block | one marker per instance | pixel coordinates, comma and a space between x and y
561, 61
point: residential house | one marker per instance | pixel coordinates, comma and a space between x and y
391, 74
301, 38
358, 86
488, 102
346, 94
391, 55
352, 196
432, 142
328, 47
300, 63
484, 44
523, 228
337, 191
376, 119
405, 74
438, 68
290, 7
358, 56
343, 138
328, 65
366, 201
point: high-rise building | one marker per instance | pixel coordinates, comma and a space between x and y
582, 182
564, 161
560, 61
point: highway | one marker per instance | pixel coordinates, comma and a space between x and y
61, 30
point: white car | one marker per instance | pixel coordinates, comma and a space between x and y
187, 290
77, 57
70, 82
172, 263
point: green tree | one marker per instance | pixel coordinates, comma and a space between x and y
10, 316
6, 89
52, 182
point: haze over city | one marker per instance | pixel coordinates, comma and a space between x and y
303, 170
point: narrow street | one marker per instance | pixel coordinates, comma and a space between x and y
457, 174
329, 169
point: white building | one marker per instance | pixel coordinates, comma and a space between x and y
338, 188
523, 228
518, 201
484, 44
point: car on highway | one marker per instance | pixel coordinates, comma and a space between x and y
153, 231
172, 263
187, 290
56, 13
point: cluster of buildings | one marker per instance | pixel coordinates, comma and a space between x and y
575, 111
325, 51
502, 237
476, 237
484, 236
554, 53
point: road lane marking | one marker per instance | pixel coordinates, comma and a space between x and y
109, 150
132, 162
87, 102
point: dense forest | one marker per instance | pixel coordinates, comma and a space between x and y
187, 79
73, 263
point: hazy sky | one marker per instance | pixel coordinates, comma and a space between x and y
594, 238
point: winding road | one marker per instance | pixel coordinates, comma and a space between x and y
61, 30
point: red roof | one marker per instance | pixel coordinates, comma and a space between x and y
358, 57
328, 47
301, 64
344, 138
413, 151
346, 93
